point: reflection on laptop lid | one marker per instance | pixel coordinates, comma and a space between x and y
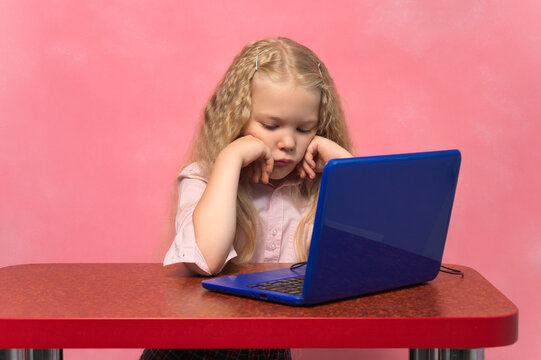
381, 223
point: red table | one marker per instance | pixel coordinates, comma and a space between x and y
147, 305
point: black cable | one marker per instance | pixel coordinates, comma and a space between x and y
443, 268
297, 265
451, 271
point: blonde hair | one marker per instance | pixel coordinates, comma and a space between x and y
229, 110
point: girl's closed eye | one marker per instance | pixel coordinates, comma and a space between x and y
269, 126
304, 130
307, 127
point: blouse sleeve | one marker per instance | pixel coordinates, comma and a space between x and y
191, 185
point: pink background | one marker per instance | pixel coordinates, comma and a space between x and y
99, 101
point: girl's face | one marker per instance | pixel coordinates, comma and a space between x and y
285, 117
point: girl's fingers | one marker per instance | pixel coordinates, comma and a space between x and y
264, 173
309, 158
269, 164
248, 172
308, 169
260, 169
300, 171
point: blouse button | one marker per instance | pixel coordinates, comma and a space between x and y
274, 232
272, 246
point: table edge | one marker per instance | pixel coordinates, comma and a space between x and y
261, 332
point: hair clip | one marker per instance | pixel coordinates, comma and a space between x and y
256, 58
319, 68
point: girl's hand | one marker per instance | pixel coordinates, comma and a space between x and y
256, 160
319, 151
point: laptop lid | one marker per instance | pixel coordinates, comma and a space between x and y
381, 223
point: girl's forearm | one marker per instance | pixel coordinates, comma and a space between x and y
215, 218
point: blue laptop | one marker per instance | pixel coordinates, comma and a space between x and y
380, 224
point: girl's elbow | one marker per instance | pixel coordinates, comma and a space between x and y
214, 263
215, 268
196, 270
215, 259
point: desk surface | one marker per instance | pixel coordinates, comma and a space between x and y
147, 305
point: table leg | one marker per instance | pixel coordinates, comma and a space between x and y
31, 354
447, 354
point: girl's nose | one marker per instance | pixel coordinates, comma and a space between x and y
287, 142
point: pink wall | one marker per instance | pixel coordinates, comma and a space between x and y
98, 102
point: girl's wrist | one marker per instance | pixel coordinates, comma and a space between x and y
230, 157
334, 151
344, 154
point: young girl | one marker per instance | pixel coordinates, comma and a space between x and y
250, 193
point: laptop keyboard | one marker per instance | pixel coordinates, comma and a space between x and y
288, 286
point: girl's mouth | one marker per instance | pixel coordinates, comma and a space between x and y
283, 162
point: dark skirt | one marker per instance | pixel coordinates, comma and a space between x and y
216, 354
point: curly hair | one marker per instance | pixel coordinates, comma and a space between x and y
229, 110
